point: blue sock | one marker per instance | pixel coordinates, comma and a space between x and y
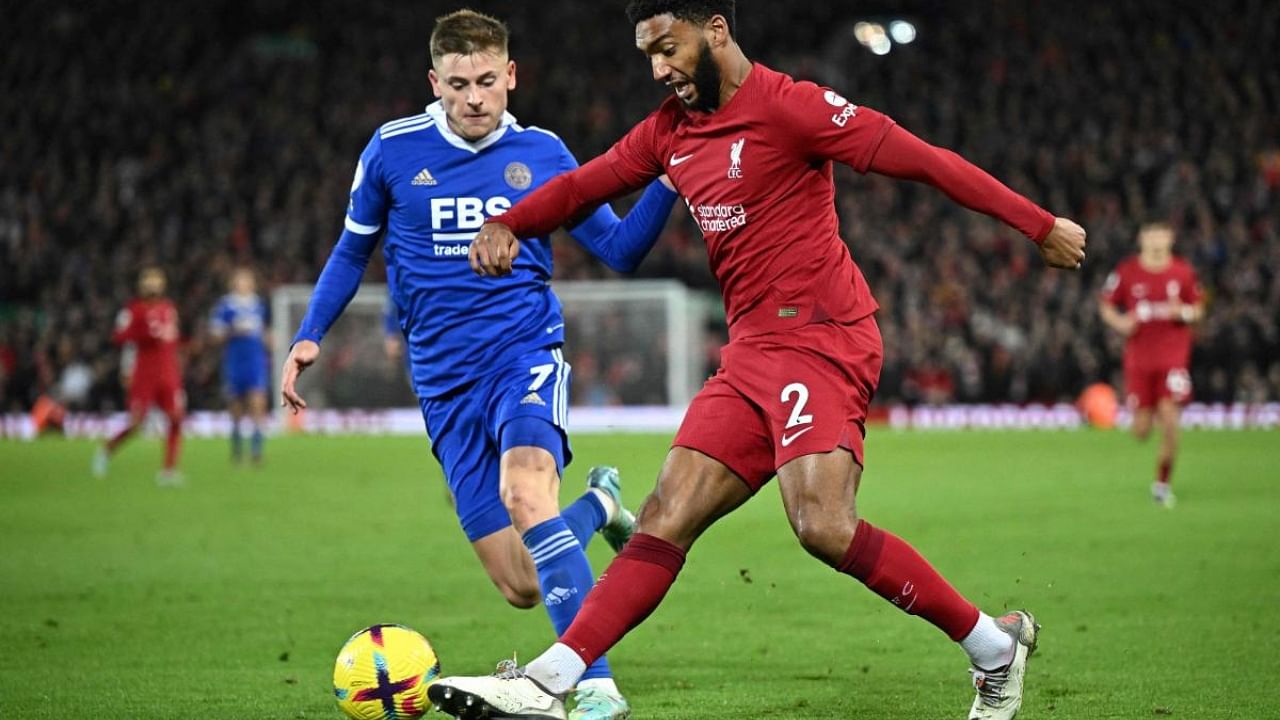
235, 440
584, 517
255, 444
564, 576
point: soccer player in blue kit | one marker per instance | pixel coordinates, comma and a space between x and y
485, 355
240, 321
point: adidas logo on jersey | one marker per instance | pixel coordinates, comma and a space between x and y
423, 178
533, 399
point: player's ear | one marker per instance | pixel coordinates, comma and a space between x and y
716, 31
511, 74
435, 82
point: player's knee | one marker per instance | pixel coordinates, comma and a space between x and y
824, 534
661, 517
528, 503
826, 538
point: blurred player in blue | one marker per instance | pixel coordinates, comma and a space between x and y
240, 321
485, 355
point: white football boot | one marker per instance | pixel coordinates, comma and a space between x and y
1163, 495
508, 693
596, 704
1000, 690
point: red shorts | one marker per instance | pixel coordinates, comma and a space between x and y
145, 392
779, 396
1144, 387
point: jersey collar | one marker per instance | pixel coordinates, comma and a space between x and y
436, 111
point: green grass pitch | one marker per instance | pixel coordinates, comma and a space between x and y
228, 599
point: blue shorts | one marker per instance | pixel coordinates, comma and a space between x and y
525, 403
240, 379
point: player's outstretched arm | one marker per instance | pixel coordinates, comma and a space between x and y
905, 156
561, 199
621, 243
302, 355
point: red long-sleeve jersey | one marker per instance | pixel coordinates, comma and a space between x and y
151, 325
757, 177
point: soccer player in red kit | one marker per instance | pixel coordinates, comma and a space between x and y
1153, 299
150, 324
751, 152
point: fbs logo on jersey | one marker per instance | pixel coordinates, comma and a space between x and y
423, 178
533, 399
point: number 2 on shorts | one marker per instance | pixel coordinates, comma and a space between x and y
802, 397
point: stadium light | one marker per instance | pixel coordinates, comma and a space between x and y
902, 32
879, 40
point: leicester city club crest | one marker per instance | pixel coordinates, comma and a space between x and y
518, 176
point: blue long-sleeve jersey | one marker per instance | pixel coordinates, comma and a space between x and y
427, 191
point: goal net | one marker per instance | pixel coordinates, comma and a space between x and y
636, 348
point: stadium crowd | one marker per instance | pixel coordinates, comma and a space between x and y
203, 136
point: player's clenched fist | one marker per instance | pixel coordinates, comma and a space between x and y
1063, 247
301, 357
494, 250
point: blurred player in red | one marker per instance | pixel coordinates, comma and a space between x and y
149, 324
752, 152
1153, 299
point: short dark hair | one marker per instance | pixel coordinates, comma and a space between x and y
694, 11
465, 32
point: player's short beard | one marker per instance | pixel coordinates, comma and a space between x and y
706, 80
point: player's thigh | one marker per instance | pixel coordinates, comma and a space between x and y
819, 494
814, 386
235, 406
1142, 388
172, 400
460, 442
509, 567
1173, 384
526, 418
724, 425
257, 401
693, 491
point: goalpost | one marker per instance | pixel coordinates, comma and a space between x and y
636, 348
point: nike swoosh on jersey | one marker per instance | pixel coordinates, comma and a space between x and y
788, 440
677, 160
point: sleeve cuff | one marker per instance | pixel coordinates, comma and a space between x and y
1047, 223
359, 228
313, 335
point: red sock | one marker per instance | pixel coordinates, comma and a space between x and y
628, 590
893, 570
1166, 467
120, 437
172, 443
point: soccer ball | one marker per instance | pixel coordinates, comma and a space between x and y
382, 673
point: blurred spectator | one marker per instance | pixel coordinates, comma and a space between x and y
202, 136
